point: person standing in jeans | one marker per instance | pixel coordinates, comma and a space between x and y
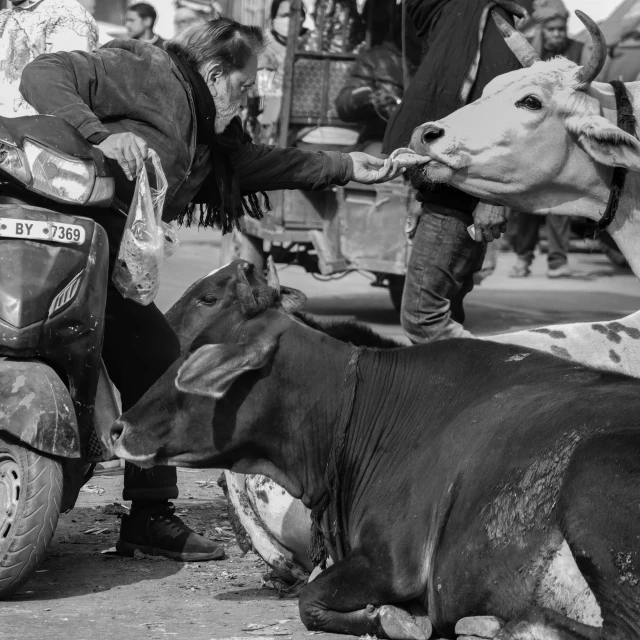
462, 52
551, 40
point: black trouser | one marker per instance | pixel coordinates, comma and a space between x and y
139, 346
558, 236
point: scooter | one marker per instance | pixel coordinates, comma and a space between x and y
56, 401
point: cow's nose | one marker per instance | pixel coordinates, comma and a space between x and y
116, 431
430, 133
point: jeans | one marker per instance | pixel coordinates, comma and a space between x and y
527, 236
139, 346
439, 276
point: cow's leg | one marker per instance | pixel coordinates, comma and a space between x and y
545, 624
354, 597
599, 514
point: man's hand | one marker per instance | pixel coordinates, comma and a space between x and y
489, 221
129, 150
369, 169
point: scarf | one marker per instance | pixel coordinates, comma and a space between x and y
219, 200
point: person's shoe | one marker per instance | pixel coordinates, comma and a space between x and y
157, 531
564, 271
520, 269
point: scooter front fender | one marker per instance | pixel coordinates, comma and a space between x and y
36, 408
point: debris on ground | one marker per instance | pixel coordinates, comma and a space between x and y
115, 509
93, 488
138, 555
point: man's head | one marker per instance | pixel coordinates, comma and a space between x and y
552, 17
140, 20
554, 35
225, 53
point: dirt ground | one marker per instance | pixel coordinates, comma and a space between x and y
82, 593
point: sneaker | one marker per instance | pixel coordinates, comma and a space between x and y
520, 270
157, 531
564, 271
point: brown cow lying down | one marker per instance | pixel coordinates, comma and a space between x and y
457, 479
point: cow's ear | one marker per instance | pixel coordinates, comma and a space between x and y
606, 143
291, 299
213, 368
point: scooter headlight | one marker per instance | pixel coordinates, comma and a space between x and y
57, 176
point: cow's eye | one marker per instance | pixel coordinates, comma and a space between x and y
530, 102
209, 299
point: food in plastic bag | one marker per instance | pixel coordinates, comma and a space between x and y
146, 241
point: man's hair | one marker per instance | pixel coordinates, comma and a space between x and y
144, 10
275, 5
223, 41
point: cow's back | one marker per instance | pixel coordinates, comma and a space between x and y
463, 445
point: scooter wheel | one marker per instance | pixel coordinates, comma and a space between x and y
30, 498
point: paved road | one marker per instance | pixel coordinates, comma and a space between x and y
499, 304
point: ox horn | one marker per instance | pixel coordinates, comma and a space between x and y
272, 275
592, 68
522, 50
244, 291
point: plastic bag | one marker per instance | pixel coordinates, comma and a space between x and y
146, 241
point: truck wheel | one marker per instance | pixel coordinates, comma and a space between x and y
396, 287
241, 245
30, 498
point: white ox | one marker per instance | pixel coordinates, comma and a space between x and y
543, 139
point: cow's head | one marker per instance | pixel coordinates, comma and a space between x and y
216, 291
537, 139
216, 406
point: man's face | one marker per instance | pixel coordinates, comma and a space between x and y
281, 21
554, 34
135, 25
229, 91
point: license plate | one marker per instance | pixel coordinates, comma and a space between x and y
37, 230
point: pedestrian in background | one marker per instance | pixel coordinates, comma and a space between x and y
463, 51
550, 40
191, 12
140, 20
30, 28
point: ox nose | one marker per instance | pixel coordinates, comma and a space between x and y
116, 431
424, 135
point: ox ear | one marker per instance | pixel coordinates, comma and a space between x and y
212, 369
291, 299
606, 143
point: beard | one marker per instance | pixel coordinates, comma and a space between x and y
225, 112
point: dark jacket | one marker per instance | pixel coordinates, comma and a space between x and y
450, 35
378, 68
131, 86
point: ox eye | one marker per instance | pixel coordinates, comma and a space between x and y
530, 102
208, 299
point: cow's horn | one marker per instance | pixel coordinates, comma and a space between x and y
272, 275
522, 50
245, 294
592, 68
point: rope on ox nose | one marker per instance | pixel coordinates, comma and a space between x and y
627, 122
325, 504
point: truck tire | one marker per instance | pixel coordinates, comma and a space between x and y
241, 245
30, 498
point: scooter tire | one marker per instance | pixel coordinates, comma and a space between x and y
30, 499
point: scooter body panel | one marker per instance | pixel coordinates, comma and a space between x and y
37, 409
52, 303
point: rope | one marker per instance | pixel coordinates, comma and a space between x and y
325, 535
626, 122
